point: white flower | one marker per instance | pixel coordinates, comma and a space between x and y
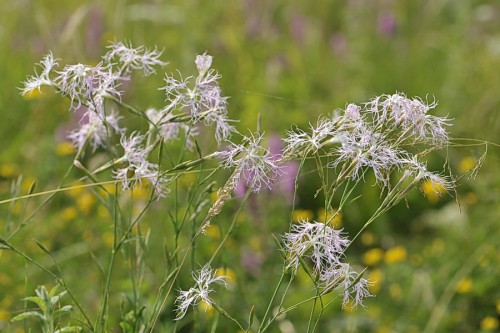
253, 163
352, 286
139, 58
95, 128
298, 140
83, 84
203, 63
169, 130
137, 167
411, 115
365, 148
320, 243
34, 82
200, 291
202, 98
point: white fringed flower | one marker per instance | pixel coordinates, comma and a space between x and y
35, 82
200, 291
253, 164
130, 58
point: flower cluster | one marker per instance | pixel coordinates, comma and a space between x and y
95, 130
378, 135
324, 247
137, 167
254, 164
202, 98
200, 292
130, 58
168, 130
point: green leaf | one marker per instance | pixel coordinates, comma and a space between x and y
251, 316
65, 309
38, 301
32, 187
4, 244
69, 329
42, 293
126, 327
44, 249
55, 299
29, 314
54, 290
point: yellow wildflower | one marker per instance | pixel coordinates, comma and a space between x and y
373, 256
395, 254
76, 189
349, 307
226, 272
214, 196
464, 286
467, 164
103, 212
489, 323
437, 246
432, 190
212, 231
367, 238
36, 93
334, 218
302, 215
140, 193
65, 148
4, 315
8, 170
375, 277
187, 179
208, 309
395, 291
85, 202
69, 213
108, 239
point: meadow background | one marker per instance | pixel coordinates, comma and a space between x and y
436, 263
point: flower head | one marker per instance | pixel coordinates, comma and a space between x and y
324, 247
200, 291
318, 242
202, 98
170, 130
137, 167
379, 135
95, 128
253, 164
130, 58
36, 81
353, 287
87, 84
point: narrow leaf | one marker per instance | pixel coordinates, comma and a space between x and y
29, 314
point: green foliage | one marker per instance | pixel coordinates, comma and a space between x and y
289, 62
50, 310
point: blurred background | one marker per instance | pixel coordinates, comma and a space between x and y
435, 259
